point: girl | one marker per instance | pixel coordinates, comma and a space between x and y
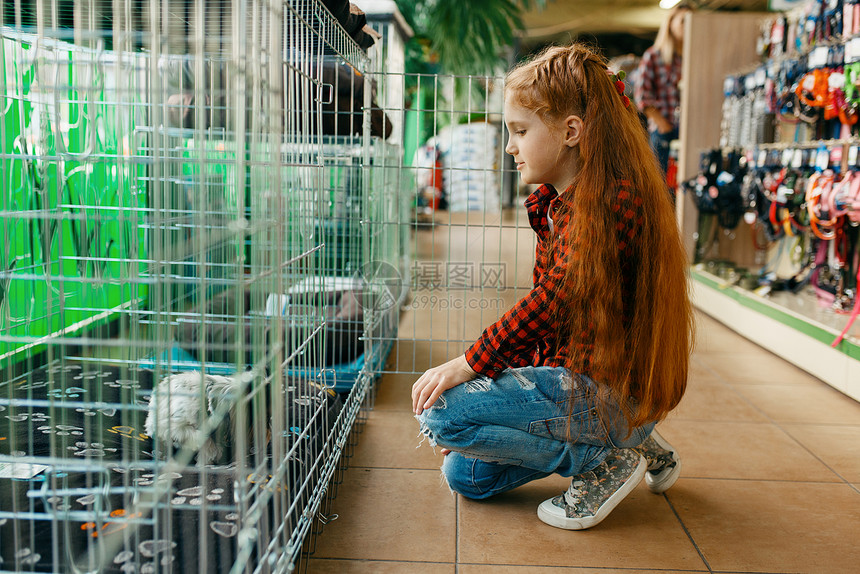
581, 369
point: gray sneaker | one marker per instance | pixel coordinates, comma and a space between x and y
592, 495
664, 465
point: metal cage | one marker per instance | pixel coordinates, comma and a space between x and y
199, 279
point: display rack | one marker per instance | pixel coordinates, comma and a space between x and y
793, 326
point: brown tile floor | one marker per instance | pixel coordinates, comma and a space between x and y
770, 482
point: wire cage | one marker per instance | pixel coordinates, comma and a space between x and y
471, 246
200, 279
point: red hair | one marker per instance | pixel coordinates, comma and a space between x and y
639, 347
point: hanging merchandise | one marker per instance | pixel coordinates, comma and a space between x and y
794, 118
704, 186
799, 204
718, 189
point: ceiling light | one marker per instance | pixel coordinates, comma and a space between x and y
669, 4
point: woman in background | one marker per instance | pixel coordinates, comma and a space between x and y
657, 93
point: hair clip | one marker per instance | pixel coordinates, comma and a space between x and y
618, 80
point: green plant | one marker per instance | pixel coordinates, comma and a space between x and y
461, 37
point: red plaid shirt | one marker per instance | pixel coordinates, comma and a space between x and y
657, 84
526, 335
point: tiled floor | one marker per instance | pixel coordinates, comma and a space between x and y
770, 481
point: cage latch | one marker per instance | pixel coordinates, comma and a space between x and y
326, 519
326, 94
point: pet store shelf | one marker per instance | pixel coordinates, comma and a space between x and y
793, 327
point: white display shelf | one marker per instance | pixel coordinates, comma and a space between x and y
792, 326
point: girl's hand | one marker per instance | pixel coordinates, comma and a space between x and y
439, 379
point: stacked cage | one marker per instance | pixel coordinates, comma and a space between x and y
195, 284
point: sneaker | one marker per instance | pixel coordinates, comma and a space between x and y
592, 495
664, 465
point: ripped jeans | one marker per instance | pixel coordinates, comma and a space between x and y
506, 432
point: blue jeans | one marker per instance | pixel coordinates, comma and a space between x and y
512, 430
660, 145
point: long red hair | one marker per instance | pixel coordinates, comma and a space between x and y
639, 347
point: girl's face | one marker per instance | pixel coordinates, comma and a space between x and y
541, 154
